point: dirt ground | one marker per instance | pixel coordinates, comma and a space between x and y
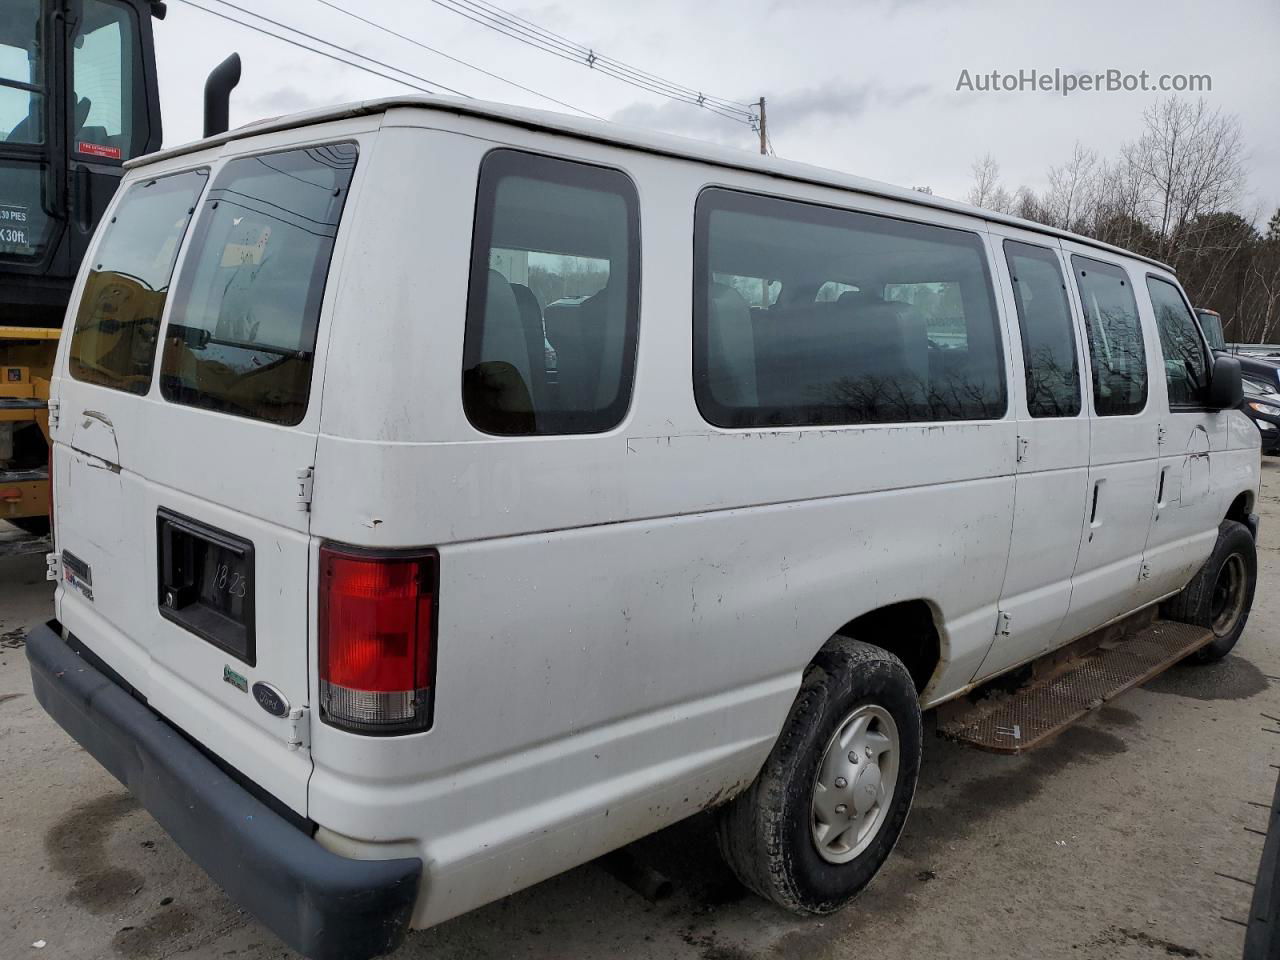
1128, 837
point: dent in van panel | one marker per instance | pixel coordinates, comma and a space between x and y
1194, 486
90, 512
94, 434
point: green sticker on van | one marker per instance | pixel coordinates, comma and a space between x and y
235, 679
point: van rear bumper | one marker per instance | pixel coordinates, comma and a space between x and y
325, 906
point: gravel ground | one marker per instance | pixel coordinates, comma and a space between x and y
1111, 842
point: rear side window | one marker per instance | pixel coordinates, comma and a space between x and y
1048, 334
554, 296
242, 333
1115, 337
876, 319
1185, 363
113, 343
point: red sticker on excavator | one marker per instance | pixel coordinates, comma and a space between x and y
98, 150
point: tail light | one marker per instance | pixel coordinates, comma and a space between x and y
377, 640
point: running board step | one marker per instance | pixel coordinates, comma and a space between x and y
1034, 714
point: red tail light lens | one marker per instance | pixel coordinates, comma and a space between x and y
377, 640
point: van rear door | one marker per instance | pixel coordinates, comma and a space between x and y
187, 432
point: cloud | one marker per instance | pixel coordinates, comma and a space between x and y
685, 120
835, 103
279, 101
829, 106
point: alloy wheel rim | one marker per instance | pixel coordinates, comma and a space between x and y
855, 783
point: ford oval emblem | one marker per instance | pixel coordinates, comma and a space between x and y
270, 699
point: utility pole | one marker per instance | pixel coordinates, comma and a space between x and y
764, 136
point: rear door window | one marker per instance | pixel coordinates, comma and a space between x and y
1115, 337
242, 333
113, 343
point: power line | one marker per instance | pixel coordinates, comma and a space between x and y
362, 56
524, 31
588, 55
449, 56
498, 20
551, 33
324, 53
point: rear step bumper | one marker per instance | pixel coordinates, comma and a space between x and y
325, 906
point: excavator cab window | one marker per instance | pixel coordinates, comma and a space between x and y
23, 102
104, 64
21, 73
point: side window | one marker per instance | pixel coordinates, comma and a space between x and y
242, 332
113, 343
1116, 349
103, 58
908, 332
554, 295
1185, 364
1048, 333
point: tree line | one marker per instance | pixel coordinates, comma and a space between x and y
1172, 194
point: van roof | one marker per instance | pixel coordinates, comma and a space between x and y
635, 138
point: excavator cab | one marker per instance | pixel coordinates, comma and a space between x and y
78, 97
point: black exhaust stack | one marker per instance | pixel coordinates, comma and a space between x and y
217, 95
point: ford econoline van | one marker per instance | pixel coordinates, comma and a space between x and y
384, 614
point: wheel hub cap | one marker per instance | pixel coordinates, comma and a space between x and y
854, 787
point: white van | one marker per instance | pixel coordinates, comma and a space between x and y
384, 614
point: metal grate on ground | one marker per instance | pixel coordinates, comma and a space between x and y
1034, 714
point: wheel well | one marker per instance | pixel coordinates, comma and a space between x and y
1241, 507
906, 630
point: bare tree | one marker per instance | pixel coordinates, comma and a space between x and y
1028, 205
1191, 158
987, 191
1172, 194
1072, 195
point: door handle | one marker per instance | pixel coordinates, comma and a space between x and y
1094, 522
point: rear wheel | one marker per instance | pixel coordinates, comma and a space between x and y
1221, 595
827, 808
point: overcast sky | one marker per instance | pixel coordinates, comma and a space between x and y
866, 87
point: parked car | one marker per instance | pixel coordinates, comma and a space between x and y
1261, 382
1211, 324
1262, 404
381, 625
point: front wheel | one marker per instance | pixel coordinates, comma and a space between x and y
825, 811
1221, 594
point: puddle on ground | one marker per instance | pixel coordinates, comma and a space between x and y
1232, 678
77, 846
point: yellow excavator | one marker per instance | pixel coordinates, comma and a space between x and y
78, 97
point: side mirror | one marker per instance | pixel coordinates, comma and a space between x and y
1226, 389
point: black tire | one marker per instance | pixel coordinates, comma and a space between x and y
1221, 594
766, 833
36, 526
